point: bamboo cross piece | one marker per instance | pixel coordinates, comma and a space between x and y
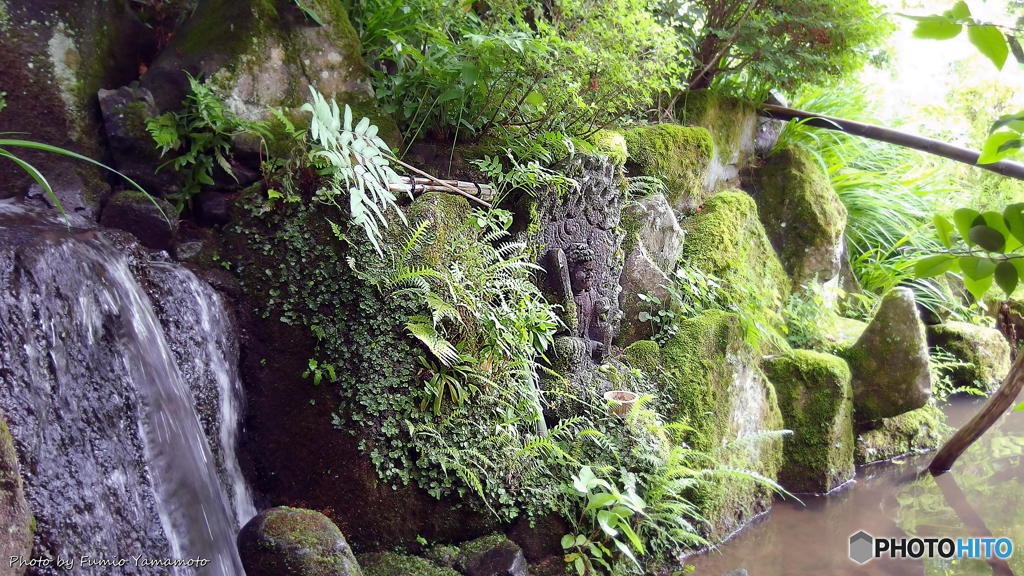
416, 186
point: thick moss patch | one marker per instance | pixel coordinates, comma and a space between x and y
286, 540
395, 564
984, 353
816, 401
612, 144
731, 121
910, 433
713, 384
801, 213
15, 519
726, 240
678, 155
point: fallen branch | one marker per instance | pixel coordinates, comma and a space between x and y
905, 139
989, 414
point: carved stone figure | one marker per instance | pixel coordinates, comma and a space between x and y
572, 273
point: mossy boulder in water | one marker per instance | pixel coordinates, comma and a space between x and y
910, 433
15, 518
713, 383
889, 361
817, 406
294, 542
801, 213
727, 241
678, 155
983, 352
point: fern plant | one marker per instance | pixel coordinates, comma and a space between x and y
355, 163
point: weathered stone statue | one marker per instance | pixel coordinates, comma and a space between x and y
572, 273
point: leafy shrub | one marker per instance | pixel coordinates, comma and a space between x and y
457, 71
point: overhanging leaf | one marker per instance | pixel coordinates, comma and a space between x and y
990, 42
936, 28
1006, 276
944, 230
935, 265
993, 150
988, 238
1013, 215
965, 219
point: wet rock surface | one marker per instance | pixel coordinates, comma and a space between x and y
294, 542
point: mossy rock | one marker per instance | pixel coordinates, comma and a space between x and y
491, 555
844, 333
395, 564
449, 226
890, 362
643, 355
294, 542
727, 241
713, 383
15, 518
801, 213
984, 353
913, 432
816, 401
733, 124
678, 155
612, 144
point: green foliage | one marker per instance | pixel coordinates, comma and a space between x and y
355, 164
608, 514
778, 44
809, 318
455, 70
201, 134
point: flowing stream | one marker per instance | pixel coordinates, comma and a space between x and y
984, 494
118, 379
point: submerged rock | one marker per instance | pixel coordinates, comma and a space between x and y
294, 542
802, 215
910, 433
983, 352
714, 384
678, 155
816, 401
889, 361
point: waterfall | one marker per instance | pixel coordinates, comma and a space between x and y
100, 383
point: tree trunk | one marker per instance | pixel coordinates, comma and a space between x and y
929, 145
989, 414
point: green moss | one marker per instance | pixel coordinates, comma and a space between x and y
395, 564
17, 521
816, 401
678, 155
726, 240
730, 120
801, 213
709, 372
300, 528
644, 355
612, 144
910, 433
448, 215
225, 28
983, 352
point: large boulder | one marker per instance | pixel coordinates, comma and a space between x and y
641, 278
802, 215
493, 555
909, 433
678, 155
294, 542
727, 241
983, 353
735, 127
15, 516
816, 401
889, 361
713, 384
651, 224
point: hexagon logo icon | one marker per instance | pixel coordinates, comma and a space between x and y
862, 547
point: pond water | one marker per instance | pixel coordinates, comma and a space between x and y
982, 496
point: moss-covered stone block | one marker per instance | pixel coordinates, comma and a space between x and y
913, 432
816, 401
678, 155
801, 213
287, 541
726, 240
395, 564
984, 353
643, 355
493, 554
733, 124
612, 144
713, 383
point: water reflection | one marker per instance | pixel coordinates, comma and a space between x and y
982, 495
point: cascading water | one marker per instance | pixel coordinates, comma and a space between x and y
101, 390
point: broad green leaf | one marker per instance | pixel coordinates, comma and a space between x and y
567, 541
990, 42
936, 28
944, 230
1020, 407
977, 274
959, 11
1014, 122
934, 265
965, 219
535, 99
988, 238
993, 150
997, 222
1006, 277
605, 519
